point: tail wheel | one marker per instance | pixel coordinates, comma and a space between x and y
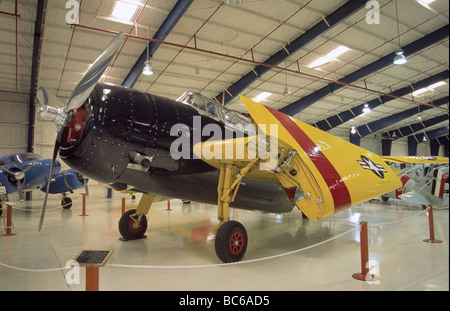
231, 242
129, 228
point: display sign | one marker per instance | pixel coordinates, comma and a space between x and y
93, 258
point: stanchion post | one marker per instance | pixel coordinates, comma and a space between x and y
9, 219
123, 206
93, 260
431, 225
92, 279
364, 243
84, 206
168, 206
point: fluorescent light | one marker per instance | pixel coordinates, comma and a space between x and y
262, 97
430, 88
418, 92
333, 55
425, 3
124, 10
436, 85
338, 52
319, 62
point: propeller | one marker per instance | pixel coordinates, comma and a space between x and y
85, 181
78, 97
18, 177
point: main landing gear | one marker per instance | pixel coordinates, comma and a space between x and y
231, 237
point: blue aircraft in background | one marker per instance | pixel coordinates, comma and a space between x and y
28, 171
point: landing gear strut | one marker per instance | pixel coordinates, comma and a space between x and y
231, 237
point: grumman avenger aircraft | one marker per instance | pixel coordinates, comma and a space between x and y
198, 150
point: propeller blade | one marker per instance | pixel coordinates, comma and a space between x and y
47, 99
29, 167
44, 207
93, 75
86, 188
6, 170
20, 191
18, 176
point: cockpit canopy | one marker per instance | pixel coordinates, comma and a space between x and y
213, 109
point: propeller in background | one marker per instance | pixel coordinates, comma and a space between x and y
78, 97
18, 177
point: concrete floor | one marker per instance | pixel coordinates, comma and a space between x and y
178, 254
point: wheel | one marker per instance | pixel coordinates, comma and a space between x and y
127, 226
384, 198
231, 241
66, 203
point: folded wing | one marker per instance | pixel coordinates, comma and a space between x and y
333, 174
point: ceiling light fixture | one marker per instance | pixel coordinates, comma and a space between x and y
399, 58
430, 88
425, 3
124, 10
262, 97
333, 55
353, 131
366, 108
148, 71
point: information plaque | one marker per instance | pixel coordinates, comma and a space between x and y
93, 258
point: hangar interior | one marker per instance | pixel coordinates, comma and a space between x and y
329, 64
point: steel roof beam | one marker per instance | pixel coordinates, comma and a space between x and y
378, 125
414, 128
319, 29
410, 49
436, 143
342, 117
415, 140
172, 19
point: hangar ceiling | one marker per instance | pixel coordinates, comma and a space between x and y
321, 61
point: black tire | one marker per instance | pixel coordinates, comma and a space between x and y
384, 198
231, 242
66, 203
126, 228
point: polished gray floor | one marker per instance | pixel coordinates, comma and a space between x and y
285, 252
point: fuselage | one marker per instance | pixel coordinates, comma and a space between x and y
125, 138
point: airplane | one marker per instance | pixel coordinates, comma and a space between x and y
196, 149
66, 182
24, 172
424, 182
